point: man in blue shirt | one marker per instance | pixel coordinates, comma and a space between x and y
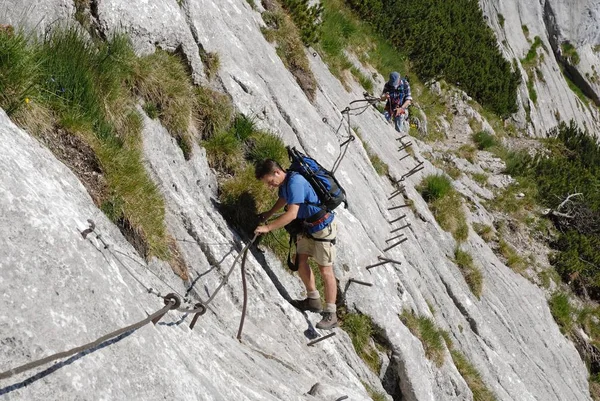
317, 239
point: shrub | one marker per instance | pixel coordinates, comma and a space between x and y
306, 18
484, 140
434, 187
425, 330
450, 40
561, 311
360, 329
471, 273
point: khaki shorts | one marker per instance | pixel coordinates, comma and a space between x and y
322, 252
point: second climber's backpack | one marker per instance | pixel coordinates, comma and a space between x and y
326, 186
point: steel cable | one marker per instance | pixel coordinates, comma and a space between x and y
72, 351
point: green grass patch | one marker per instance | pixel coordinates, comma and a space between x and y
19, 71
445, 204
513, 259
473, 378
214, 111
360, 329
532, 55
484, 140
576, 89
87, 89
480, 178
233, 152
562, 311
430, 336
471, 273
467, 152
434, 187
282, 31
374, 394
484, 231
364, 81
570, 53
531, 91
211, 62
501, 20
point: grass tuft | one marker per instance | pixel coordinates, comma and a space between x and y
562, 311
282, 31
445, 204
434, 187
484, 231
472, 377
471, 273
214, 111
484, 140
425, 330
360, 329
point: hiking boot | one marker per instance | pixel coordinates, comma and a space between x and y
307, 304
328, 322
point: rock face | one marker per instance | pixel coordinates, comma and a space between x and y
558, 24
84, 290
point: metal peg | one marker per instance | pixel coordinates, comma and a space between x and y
396, 244
318, 340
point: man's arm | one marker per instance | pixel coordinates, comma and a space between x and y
277, 206
284, 219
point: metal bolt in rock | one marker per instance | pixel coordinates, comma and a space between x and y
414, 170
397, 207
395, 193
395, 245
404, 146
400, 228
404, 157
401, 138
353, 280
389, 260
376, 264
393, 238
398, 219
318, 340
344, 397
88, 230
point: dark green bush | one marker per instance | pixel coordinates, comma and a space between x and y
484, 140
449, 40
307, 19
571, 165
435, 187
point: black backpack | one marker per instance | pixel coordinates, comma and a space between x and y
326, 186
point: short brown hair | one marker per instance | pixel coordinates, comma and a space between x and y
266, 167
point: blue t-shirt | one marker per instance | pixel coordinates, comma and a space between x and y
297, 191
